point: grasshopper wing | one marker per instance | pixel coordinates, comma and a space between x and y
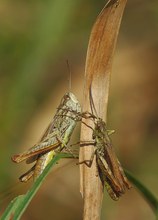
36, 150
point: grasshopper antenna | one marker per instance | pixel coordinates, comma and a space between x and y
70, 74
92, 102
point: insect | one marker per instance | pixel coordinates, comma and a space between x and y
109, 167
55, 138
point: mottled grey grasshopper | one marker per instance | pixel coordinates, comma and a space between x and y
109, 167
55, 138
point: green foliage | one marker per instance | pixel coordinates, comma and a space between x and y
150, 198
18, 205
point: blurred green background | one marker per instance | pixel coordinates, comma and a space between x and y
36, 39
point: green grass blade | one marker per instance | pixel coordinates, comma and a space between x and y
18, 205
151, 199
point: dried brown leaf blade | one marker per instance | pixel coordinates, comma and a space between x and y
100, 52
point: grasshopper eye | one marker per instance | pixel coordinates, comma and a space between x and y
67, 97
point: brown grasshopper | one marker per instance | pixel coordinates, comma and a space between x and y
55, 138
109, 167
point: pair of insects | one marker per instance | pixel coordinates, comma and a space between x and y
57, 136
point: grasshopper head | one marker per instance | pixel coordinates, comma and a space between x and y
71, 102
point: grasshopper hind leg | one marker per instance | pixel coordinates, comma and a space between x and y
88, 162
28, 175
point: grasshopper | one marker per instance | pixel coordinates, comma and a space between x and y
109, 167
55, 138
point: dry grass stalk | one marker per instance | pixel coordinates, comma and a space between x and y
97, 72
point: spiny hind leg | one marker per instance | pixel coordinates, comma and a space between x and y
28, 175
